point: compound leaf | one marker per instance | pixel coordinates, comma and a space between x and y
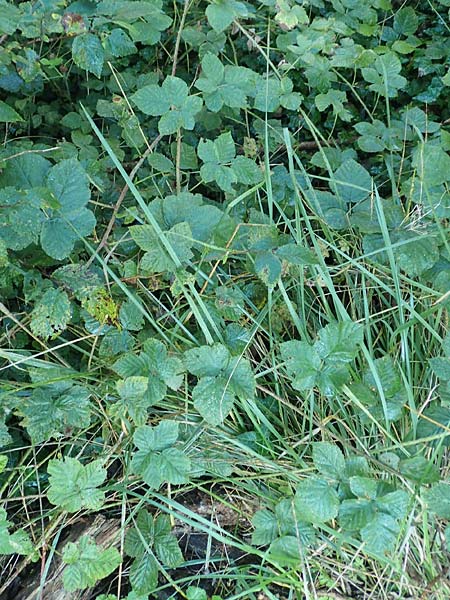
87, 563
406, 21
161, 370
265, 527
171, 102
432, 164
268, 268
354, 514
119, 44
384, 75
154, 460
164, 435
70, 219
221, 85
74, 486
221, 150
69, 183
147, 536
287, 550
144, 574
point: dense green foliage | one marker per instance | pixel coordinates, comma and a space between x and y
225, 273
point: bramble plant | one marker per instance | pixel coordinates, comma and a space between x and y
224, 295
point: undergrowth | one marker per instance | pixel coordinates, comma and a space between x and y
225, 276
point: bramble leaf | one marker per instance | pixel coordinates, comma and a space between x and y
222, 166
13, 543
10, 17
419, 469
8, 114
131, 318
375, 136
213, 399
25, 171
88, 53
155, 365
339, 342
323, 364
229, 85
171, 102
441, 367
74, 486
380, 535
432, 164
351, 182
20, 219
384, 75
363, 487
207, 360
288, 17
156, 461
283, 521
196, 593
246, 170
266, 527
295, 254
302, 363
268, 268
221, 13
406, 21
127, 10
70, 219
437, 498
87, 563
388, 375
394, 504
147, 536
221, 150
414, 251
271, 93
222, 379
328, 460
205, 221
316, 501
51, 314
50, 411
356, 513
132, 399
287, 550
119, 44
156, 258
335, 99
144, 574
